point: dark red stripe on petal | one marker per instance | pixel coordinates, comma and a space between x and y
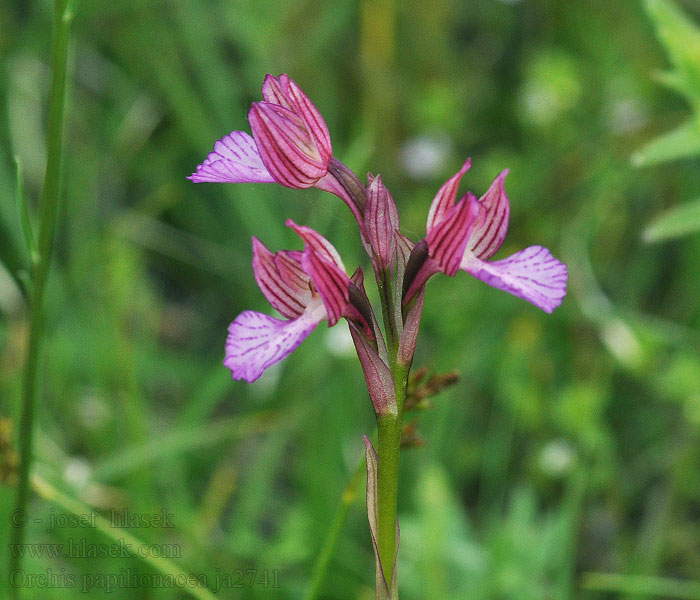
285, 299
330, 282
445, 197
447, 240
284, 146
488, 236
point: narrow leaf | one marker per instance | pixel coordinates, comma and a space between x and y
681, 39
674, 223
682, 142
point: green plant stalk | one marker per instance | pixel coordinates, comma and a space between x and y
389, 427
48, 213
389, 440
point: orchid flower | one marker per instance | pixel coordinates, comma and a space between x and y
290, 146
306, 287
464, 235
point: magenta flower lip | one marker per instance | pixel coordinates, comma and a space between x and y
234, 159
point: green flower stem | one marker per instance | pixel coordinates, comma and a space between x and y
49, 210
389, 429
389, 440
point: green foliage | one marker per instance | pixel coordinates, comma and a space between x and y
564, 462
676, 222
681, 40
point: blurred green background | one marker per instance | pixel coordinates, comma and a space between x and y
565, 462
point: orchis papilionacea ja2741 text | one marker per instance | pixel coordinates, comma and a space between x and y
290, 146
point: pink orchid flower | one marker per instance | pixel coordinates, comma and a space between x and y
306, 287
290, 146
464, 235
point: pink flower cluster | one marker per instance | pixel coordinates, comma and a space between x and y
291, 146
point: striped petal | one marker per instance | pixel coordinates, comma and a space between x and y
235, 159
274, 90
288, 295
316, 242
487, 235
448, 239
445, 198
313, 119
330, 282
256, 341
532, 274
285, 92
288, 265
286, 147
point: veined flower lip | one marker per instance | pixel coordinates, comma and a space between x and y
256, 341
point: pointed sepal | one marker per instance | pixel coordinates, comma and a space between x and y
330, 282
285, 92
445, 198
285, 146
316, 242
281, 279
448, 238
491, 227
